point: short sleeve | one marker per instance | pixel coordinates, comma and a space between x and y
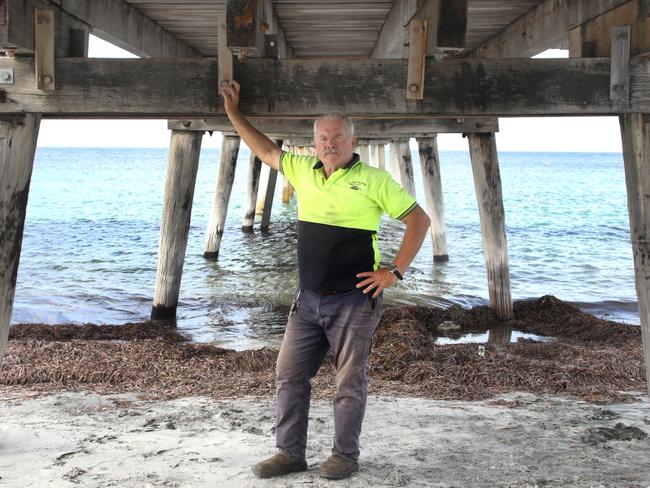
296, 167
392, 198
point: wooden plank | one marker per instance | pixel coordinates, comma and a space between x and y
182, 167
226, 70
417, 58
44, 47
581, 11
620, 71
17, 147
300, 88
635, 132
364, 128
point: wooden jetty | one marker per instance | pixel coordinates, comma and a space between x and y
401, 69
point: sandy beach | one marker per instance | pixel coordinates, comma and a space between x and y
140, 406
513, 440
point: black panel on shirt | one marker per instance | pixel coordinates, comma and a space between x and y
329, 257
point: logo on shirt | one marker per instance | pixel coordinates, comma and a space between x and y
357, 185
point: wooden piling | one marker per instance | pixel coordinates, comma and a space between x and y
268, 196
364, 153
635, 132
252, 185
182, 166
381, 159
17, 147
222, 191
261, 191
393, 162
406, 166
487, 182
430, 164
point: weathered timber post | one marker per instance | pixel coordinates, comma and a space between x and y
430, 164
487, 182
252, 185
261, 190
406, 167
225, 179
17, 147
635, 132
182, 166
364, 153
381, 159
268, 198
287, 189
393, 162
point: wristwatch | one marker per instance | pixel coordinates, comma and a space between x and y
393, 269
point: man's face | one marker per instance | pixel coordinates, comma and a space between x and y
334, 146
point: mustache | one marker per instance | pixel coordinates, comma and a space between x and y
331, 151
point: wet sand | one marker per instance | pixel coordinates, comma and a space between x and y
139, 405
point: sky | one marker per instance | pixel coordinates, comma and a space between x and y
550, 134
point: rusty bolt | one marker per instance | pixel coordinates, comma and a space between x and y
187, 123
413, 87
47, 79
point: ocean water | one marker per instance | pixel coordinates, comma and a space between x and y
92, 229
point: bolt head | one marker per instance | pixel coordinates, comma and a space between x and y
6, 76
413, 87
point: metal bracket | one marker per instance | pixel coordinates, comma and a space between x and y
6, 76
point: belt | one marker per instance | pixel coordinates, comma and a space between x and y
326, 293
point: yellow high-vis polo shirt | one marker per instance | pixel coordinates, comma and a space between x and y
338, 218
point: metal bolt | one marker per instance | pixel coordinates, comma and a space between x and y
187, 123
47, 79
413, 87
6, 76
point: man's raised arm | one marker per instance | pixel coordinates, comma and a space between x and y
263, 147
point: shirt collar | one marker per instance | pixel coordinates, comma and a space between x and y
352, 162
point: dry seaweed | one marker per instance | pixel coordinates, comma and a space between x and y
591, 359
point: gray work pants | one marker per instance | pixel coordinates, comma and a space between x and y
345, 322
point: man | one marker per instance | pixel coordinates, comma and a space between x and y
340, 203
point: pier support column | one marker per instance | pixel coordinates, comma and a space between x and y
635, 132
364, 153
222, 191
17, 148
252, 186
430, 164
381, 156
487, 182
393, 162
268, 196
182, 166
406, 167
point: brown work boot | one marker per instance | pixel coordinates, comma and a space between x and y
278, 465
338, 467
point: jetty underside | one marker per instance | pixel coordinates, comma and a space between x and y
401, 69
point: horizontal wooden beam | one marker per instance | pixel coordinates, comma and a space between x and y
364, 128
115, 21
168, 88
543, 27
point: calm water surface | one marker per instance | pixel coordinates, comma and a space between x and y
92, 229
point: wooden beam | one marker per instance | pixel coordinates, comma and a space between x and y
19, 30
452, 27
162, 88
593, 38
127, 27
226, 71
635, 132
392, 40
17, 147
364, 128
417, 58
620, 75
